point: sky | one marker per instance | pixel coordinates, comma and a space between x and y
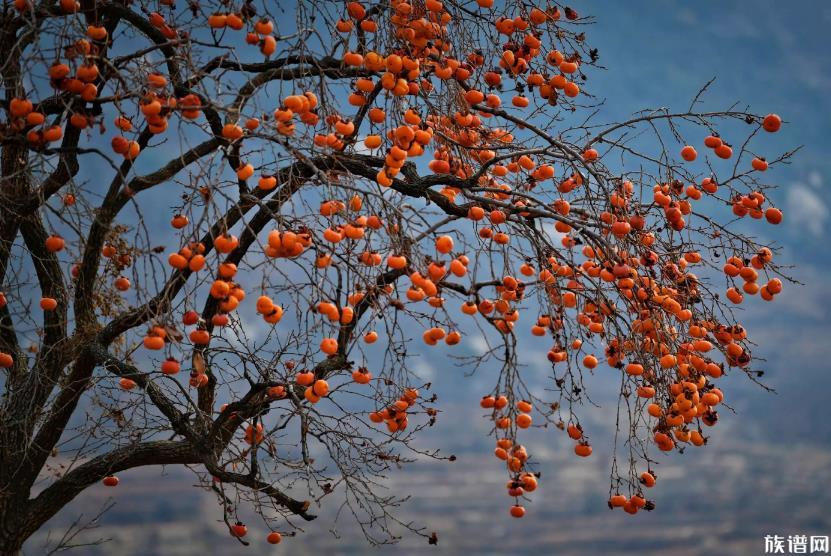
774, 57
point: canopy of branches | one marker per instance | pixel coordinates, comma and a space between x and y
225, 227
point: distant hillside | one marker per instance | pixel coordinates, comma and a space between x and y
721, 500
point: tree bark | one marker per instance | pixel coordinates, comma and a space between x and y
11, 526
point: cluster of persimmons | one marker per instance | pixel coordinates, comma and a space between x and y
645, 323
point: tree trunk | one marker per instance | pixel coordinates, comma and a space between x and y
11, 526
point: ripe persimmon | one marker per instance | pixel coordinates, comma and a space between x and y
724, 151
444, 244
712, 141
6, 360
55, 243
773, 215
238, 530
329, 346
771, 123
759, 164
617, 501
517, 511
688, 153
583, 449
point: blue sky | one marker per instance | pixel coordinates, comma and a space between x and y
771, 55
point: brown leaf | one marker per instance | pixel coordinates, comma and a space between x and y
173, 333
198, 362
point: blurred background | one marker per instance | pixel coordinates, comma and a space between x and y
767, 467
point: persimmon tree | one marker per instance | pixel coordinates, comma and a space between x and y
343, 182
